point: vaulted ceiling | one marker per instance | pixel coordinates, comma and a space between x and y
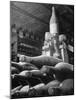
36, 16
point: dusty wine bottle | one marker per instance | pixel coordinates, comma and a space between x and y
23, 75
37, 73
36, 90
62, 71
42, 89
65, 88
24, 66
52, 84
26, 77
41, 60
41, 75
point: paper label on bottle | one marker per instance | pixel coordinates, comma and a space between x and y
53, 28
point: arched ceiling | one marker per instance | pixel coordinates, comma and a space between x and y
36, 16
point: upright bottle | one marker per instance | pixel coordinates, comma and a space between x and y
54, 31
63, 48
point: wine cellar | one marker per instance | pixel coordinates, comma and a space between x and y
42, 49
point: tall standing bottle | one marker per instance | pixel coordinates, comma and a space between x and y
54, 31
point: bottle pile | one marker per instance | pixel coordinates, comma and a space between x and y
51, 77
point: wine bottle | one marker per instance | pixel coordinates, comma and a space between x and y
24, 66
61, 71
41, 60
66, 87
42, 89
36, 90
26, 76
45, 78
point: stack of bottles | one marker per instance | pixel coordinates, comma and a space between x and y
49, 74
24, 42
41, 76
